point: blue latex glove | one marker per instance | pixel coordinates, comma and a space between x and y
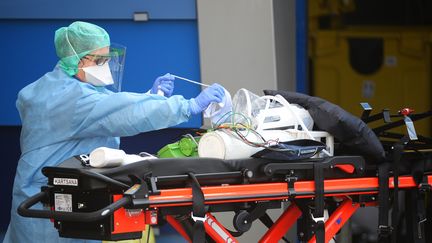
165, 84
214, 93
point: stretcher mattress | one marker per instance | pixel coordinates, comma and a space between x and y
216, 171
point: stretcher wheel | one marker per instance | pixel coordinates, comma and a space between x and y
241, 222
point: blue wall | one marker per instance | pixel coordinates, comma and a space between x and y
96, 9
153, 48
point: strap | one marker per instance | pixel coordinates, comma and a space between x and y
290, 184
397, 154
384, 230
198, 210
319, 203
417, 170
424, 188
320, 231
421, 218
319, 191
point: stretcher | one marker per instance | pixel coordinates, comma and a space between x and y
117, 203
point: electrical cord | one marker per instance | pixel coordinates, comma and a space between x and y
148, 233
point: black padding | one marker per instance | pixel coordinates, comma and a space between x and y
291, 150
349, 130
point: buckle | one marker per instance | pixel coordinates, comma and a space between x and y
318, 219
419, 227
424, 187
385, 230
197, 218
84, 159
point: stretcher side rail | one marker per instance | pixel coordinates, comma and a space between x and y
273, 191
25, 211
220, 194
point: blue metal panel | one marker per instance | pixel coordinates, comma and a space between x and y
96, 9
301, 46
153, 48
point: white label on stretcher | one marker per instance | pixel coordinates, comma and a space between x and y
62, 202
65, 182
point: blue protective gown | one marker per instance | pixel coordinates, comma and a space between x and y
62, 117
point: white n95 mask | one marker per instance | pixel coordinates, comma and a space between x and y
98, 75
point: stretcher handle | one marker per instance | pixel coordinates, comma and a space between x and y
25, 211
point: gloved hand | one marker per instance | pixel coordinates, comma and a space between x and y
214, 93
165, 84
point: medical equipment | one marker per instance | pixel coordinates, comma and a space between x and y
268, 120
109, 157
163, 85
98, 75
185, 147
190, 81
230, 144
269, 112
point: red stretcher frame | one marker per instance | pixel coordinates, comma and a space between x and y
342, 188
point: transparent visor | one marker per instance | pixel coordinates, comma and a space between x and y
116, 60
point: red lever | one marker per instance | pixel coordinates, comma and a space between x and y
406, 111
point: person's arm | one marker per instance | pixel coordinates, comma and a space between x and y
127, 114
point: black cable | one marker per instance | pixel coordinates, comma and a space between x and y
148, 233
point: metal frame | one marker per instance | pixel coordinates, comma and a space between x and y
270, 191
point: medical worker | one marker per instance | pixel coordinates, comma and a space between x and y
77, 107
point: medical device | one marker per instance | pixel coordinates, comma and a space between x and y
258, 123
191, 81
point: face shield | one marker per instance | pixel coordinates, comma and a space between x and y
116, 64
108, 71
115, 60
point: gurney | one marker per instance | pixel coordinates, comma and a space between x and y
103, 204
116, 203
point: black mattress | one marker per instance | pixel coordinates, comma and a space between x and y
171, 172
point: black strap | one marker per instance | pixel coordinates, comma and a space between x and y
421, 218
397, 154
319, 202
290, 184
384, 230
418, 170
421, 214
198, 210
319, 191
320, 231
